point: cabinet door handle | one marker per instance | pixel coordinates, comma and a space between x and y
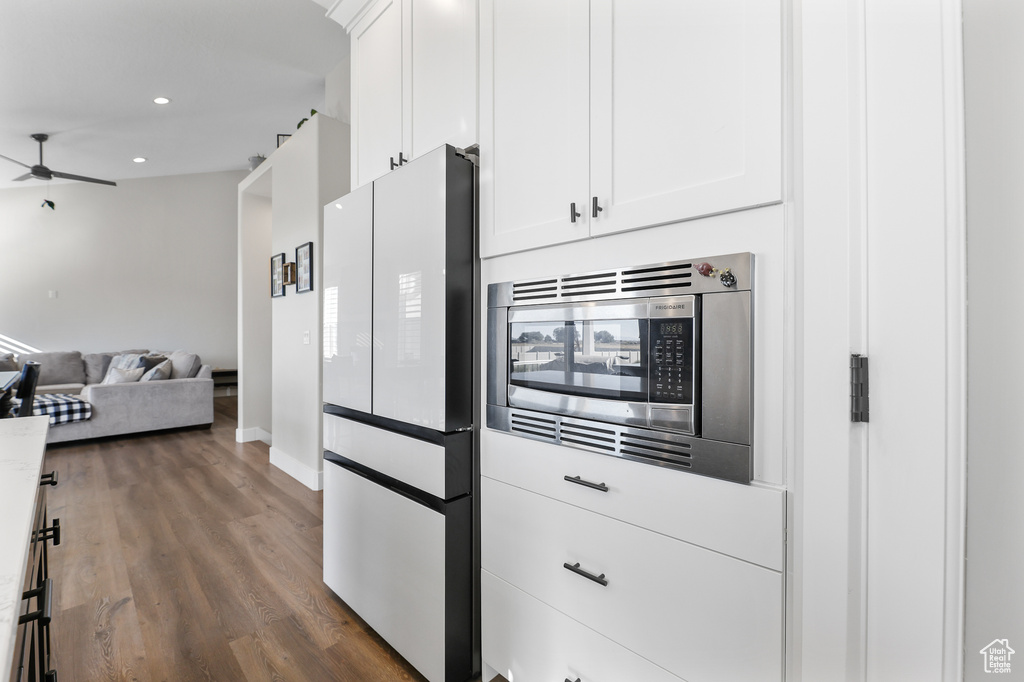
45, 591
573, 215
595, 209
48, 479
575, 568
51, 533
402, 160
393, 164
587, 484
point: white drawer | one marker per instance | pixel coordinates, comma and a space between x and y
747, 522
532, 641
385, 556
697, 613
412, 461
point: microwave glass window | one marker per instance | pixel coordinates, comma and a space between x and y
595, 358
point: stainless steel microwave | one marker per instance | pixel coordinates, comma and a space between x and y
651, 363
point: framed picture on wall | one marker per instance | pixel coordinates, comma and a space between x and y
304, 268
277, 275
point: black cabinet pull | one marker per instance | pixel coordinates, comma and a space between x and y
568, 680
573, 215
51, 533
596, 209
587, 484
43, 615
393, 164
402, 160
575, 568
48, 479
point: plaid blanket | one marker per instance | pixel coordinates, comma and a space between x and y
61, 407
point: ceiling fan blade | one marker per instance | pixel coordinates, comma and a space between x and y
69, 176
26, 176
15, 161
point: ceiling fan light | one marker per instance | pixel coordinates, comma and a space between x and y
161, 100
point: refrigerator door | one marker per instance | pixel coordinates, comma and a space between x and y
423, 292
348, 302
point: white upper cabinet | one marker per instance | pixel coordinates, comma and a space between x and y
413, 81
377, 92
638, 112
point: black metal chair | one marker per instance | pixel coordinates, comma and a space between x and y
27, 389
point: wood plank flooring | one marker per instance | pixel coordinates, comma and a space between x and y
187, 556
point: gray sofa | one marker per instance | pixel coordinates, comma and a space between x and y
184, 399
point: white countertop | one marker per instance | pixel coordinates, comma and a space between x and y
22, 447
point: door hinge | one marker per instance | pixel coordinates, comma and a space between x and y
858, 388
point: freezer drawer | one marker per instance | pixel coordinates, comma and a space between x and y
404, 568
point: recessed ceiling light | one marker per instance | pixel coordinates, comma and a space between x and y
139, 159
161, 100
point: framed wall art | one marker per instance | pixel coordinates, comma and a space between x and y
277, 275
304, 268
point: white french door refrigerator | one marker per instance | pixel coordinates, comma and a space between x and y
398, 390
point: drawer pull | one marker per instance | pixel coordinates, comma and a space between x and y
575, 568
48, 479
579, 481
45, 591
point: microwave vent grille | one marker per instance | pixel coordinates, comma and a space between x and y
663, 280
534, 426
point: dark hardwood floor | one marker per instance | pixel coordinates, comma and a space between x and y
187, 556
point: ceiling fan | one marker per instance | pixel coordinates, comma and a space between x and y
41, 172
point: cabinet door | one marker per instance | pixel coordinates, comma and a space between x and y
348, 284
534, 130
377, 97
685, 109
443, 75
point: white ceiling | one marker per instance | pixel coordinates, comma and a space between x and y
238, 72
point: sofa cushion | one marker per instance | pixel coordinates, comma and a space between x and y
184, 365
71, 389
96, 366
116, 375
57, 367
158, 372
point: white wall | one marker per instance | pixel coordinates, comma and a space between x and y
994, 88
147, 264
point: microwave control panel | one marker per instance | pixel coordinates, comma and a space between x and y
671, 360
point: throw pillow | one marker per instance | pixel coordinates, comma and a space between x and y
184, 365
151, 361
116, 375
96, 366
124, 361
158, 372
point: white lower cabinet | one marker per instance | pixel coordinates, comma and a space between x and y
525, 639
697, 613
385, 556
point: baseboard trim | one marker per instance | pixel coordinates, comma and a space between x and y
255, 433
314, 480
